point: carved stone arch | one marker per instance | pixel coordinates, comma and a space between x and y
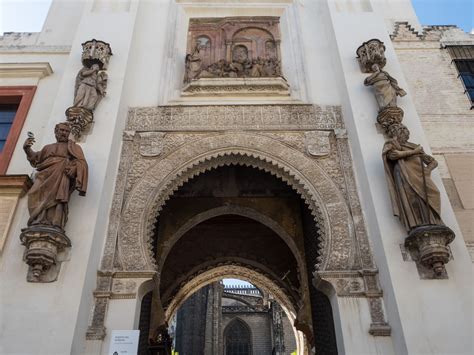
237, 271
240, 211
301, 172
236, 32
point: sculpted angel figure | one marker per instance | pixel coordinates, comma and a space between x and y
385, 86
91, 85
415, 197
61, 169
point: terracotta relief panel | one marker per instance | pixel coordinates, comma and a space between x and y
233, 47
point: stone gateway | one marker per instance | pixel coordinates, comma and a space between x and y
297, 146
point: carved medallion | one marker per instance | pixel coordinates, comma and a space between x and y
151, 143
317, 143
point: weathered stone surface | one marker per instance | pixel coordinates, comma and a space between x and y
12, 188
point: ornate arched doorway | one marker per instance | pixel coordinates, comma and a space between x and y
306, 208
236, 220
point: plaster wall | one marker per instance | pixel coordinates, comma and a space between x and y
413, 305
70, 297
354, 337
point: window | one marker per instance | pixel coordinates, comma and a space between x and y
463, 58
7, 115
15, 102
237, 338
466, 73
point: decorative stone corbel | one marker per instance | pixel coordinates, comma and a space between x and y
90, 86
45, 250
414, 196
370, 53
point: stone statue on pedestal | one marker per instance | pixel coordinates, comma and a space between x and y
91, 85
61, 169
415, 198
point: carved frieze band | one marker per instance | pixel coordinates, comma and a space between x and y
224, 117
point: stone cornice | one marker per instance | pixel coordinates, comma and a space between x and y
15, 182
25, 70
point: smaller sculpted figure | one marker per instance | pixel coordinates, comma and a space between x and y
61, 169
91, 85
385, 86
257, 68
415, 198
193, 65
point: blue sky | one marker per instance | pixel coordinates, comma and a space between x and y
446, 12
430, 12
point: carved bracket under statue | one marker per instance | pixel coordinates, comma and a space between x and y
90, 86
61, 169
45, 247
415, 198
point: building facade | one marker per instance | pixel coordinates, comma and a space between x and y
232, 319
272, 141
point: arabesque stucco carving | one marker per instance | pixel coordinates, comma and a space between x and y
233, 135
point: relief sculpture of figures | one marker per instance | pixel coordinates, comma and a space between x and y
386, 87
61, 169
233, 48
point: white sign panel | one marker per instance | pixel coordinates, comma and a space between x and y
124, 342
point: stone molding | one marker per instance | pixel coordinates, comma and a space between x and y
404, 32
25, 70
236, 87
234, 117
470, 248
12, 188
36, 49
360, 283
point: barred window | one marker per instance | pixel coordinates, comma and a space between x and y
466, 73
237, 338
463, 58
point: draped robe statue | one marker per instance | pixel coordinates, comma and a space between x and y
415, 197
193, 65
91, 85
61, 169
386, 88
